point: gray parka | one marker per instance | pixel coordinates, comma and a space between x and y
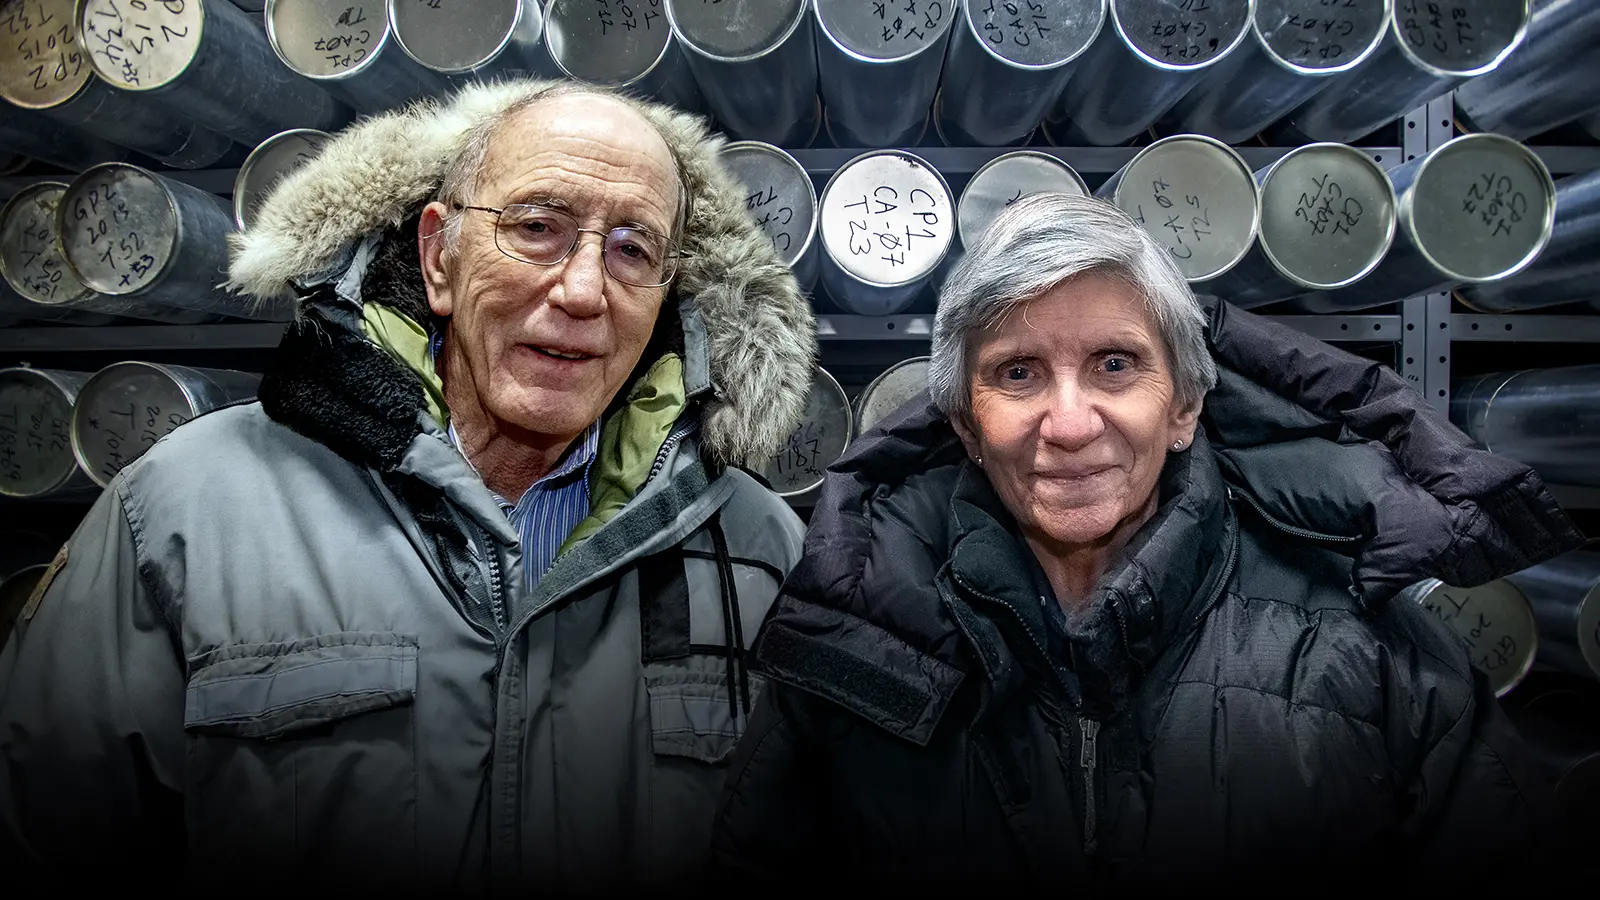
284, 649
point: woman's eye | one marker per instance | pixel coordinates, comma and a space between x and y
1016, 373
1117, 364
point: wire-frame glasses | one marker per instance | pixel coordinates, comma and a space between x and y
544, 236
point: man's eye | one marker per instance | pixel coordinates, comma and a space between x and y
633, 251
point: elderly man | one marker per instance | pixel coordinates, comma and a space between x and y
462, 601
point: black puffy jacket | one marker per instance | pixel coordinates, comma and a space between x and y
1243, 705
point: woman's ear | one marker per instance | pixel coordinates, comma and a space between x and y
1182, 425
969, 437
435, 268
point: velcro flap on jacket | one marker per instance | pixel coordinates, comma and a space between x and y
858, 665
270, 690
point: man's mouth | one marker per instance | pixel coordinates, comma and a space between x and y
558, 353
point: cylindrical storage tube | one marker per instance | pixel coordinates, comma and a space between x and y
1565, 593
887, 222
1560, 727
816, 443
36, 136
893, 388
127, 406
1548, 419
625, 45
1478, 209
36, 433
15, 591
1147, 57
755, 62
266, 165
1591, 124
31, 262
52, 75
347, 52
783, 201
1567, 270
1007, 63
1430, 48
204, 61
1295, 46
879, 68
473, 40
1006, 179
134, 234
1495, 620
1546, 83
1196, 196
1327, 221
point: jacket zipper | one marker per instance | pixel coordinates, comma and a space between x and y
1086, 760
496, 586
1285, 527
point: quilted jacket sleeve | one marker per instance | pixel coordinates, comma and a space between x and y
91, 718
770, 816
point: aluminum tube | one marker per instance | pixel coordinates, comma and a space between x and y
887, 221
1478, 209
626, 44
36, 434
783, 202
755, 62
52, 82
1423, 56
1007, 63
1294, 47
1568, 269
127, 406
1003, 181
1545, 84
473, 40
1565, 593
267, 164
1591, 124
1196, 196
129, 232
31, 262
1495, 621
1327, 221
1545, 418
879, 68
346, 51
904, 382
1146, 58
36, 136
204, 61
816, 443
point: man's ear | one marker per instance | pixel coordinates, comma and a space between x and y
435, 263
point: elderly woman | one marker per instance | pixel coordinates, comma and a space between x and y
1114, 608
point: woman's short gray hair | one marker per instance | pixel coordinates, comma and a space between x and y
1035, 245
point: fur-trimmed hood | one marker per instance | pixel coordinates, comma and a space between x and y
743, 316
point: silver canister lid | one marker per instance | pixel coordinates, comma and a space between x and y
1462, 37
816, 443
1327, 215
30, 256
891, 390
118, 228
887, 218
1006, 179
1481, 207
327, 40
780, 195
42, 62
1197, 197
1494, 619
1319, 37
1036, 34
143, 46
735, 30
266, 165
35, 434
612, 43
885, 30
454, 36
1182, 34
121, 412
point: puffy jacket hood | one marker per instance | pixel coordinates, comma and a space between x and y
747, 334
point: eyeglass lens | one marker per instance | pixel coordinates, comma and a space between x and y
546, 236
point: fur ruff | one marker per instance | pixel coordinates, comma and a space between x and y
381, 171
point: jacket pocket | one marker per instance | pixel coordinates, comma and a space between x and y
690, 714
302, 756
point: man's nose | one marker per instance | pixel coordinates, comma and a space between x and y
581, 290
1072, 419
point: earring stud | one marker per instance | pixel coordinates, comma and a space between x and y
1177, 445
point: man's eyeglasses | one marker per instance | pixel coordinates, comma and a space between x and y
544, 237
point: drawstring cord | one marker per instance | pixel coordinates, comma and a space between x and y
732, 626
